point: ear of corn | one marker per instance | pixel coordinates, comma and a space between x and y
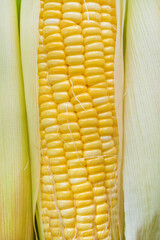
74, 100
71, 58
141, 121
15, 185
77, 153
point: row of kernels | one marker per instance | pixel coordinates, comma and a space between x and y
81, 188
108, 34
80, 210
82, 114
94, 60
63, 187
88, 145
94, 73
42, 82
64, 204
105, 131
56, 55
85, 209
55, 233
58, 82
44, 97
74, 62
44, 90
41, 17
91, 75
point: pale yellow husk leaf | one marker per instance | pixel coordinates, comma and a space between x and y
119, 98
29, 34
141, 172
15, 185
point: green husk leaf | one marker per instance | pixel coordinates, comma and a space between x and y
18, 10
15, 184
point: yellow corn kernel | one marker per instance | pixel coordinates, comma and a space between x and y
77, 118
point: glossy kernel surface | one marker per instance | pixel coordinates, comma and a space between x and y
78, 126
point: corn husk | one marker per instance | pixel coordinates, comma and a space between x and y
15, 184
18, 8
119, 98
141, 172
29, 43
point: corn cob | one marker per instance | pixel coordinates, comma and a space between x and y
78, 157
